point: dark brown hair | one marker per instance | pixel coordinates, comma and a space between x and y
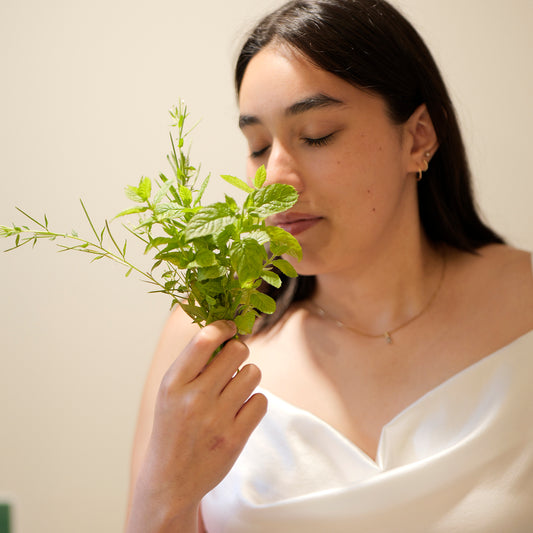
372, 46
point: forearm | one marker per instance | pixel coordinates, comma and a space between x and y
152, 514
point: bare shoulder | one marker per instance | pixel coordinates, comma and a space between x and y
508, 268
497, 263
496, 285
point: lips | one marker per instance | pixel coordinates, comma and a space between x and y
294, 223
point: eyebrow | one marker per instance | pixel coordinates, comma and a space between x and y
306, 104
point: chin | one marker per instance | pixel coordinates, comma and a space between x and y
308, 266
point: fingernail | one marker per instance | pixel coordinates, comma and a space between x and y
232, 325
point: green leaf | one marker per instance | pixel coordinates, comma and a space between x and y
5, 231
158, 241
259, 235
263, 302
132, 211
272, 199
185, 195
211, 272
260, 177
271, 278
163, 190
210, 300
145, 188
282, 242
155, 265
285, 267
205, 258
133, 194
245, 322
237, 183
231, 203
196, 313
222, 238
175, 258
247, 257
210, 220
202, 189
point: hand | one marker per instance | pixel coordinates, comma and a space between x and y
203, 417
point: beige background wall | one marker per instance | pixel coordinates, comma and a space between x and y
84, 92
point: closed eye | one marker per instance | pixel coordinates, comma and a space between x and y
321, 141
259, 153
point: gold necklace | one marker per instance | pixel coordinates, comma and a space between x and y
388, 334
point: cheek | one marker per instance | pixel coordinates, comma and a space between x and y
361, 190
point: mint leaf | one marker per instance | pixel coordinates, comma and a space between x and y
263, 302
205, 258
259, 235
247, 258
245, 322
237, 183
145, 188
197, 313
185, 195
282, 242
285, 267
272, 199
132, 193
132, 211
212, 272
260, 177
210, 220
271, 278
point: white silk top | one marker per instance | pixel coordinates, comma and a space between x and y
459, 459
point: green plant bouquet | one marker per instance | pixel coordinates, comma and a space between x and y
209, 259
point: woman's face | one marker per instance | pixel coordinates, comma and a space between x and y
336, 145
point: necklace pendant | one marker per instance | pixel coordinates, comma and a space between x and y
388, 338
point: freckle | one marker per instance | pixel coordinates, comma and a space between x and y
368, 191
373, 210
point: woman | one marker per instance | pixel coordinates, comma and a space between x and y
396, 370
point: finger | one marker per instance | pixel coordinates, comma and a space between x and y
249, 416
225, 365
193, 359
239, 389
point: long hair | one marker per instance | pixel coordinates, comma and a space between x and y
369, 44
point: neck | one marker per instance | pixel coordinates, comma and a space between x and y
384, 290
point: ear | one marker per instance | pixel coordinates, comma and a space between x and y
423, 142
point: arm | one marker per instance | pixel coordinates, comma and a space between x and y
194, 420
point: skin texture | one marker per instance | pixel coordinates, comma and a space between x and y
356, 175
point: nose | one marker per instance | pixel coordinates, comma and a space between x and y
282, 167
